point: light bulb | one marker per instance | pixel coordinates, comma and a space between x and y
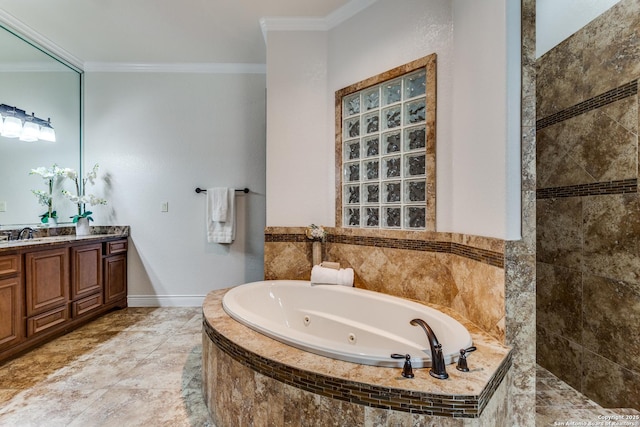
29, 132
12, 127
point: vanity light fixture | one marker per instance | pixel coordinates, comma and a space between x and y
16, 123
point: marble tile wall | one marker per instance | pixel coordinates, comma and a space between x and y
520, 255
457, 271
588, 209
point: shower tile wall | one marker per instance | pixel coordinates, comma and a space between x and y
463, 272
588, 209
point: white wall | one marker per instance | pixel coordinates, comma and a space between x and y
298, 156
158, 136
485, 159
384, 36
478, 172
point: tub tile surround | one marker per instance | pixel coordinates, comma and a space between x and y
588, 209
299, 385
453, 270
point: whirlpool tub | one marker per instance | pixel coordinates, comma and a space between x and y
344, 323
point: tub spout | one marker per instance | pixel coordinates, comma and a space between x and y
438, 369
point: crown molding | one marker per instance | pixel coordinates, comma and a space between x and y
201, 68
31, 36
338, 16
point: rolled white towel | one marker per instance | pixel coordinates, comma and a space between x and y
330, 276
328, 264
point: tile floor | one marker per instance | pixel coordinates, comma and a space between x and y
558, 404
142, 367
133, 367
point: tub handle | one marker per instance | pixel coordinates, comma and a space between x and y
462, 360
407, 370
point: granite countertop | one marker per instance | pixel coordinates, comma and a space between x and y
54, 236
486, 364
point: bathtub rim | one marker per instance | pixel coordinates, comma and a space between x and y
462, 395
354, 357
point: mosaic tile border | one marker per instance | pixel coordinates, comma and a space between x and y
616, 94
492, 258
456, 406
594, 189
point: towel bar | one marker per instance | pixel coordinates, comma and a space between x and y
202, 190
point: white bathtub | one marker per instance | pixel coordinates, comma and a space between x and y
344, 323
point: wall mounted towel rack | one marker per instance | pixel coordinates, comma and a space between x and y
202, 190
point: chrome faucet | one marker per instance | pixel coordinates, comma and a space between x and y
29, 235
438, 369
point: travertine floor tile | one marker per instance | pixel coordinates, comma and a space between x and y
133, 367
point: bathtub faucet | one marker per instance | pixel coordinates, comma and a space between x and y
438, 369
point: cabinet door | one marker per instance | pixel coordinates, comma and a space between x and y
47, 280
11, 323
115, 278
86, 271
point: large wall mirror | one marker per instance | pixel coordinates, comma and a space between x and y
37, 82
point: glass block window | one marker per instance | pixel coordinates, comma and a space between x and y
386, 140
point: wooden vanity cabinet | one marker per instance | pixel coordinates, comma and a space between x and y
47, 289
11, 299
115, 271
54, 288
86, 279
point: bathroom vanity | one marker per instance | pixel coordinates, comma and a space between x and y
51, 285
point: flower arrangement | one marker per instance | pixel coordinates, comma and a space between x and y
316, 232
45, 198
81, 199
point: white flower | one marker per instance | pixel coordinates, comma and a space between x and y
47, 173
43, 197
316, 232
81, 199
69, 173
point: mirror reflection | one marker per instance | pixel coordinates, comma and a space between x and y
37, 83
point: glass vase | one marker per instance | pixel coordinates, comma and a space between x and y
316, 252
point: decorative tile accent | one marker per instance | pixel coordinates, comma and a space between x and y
485, 256
598, 188
613, 95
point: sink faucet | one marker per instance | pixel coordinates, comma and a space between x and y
29, 235
438, 369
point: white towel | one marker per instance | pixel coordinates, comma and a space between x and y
220, 231
331, 276
218, 200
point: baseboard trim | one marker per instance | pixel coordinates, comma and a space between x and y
165, 300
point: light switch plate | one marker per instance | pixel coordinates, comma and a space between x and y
3, 206
164, 207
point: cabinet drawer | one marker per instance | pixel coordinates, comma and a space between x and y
47, 320
9, 264
85, 305
115, 247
